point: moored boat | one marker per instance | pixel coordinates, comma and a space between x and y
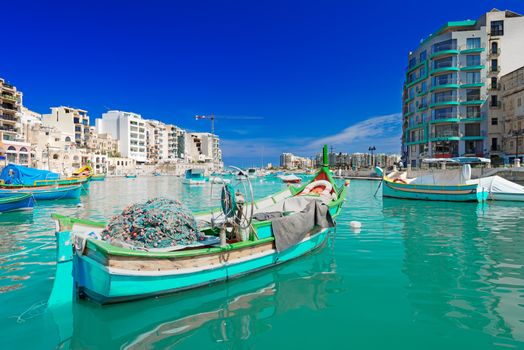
131, 176
45, 192
262, 234
194, 177
16, 202
98, 177
457, 190
290, 179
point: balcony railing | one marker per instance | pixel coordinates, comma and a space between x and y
9, 97
496, 32
494, 87
494, 69
8, 128
8, 117
6, 106
494, 52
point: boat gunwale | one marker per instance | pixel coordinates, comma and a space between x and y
15, 198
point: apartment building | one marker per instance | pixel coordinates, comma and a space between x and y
176, 143
511, 121
291, 161
130, 131
73, 122
451, 98
102, 144
10, 106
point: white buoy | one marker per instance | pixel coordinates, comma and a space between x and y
355, 224
79, 205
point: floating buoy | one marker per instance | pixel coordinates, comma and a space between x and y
355, 224
79, 205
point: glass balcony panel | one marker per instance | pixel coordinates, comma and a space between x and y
450, 44
447, 96
445, 62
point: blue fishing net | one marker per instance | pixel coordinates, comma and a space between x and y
157, 223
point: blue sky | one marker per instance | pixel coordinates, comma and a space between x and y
279, 75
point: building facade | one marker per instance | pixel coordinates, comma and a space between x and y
73, 122
130, 131
290, 161
452, 89
10, 107
511, 120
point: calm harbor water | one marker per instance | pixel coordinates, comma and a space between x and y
418, 275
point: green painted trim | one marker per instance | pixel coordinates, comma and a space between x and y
420, 64
480, 49
421, 109
447, 120
471, 138
442, 104
408, 100
416, 142
409, 114
450, 25
444, 52
473, 103
472, 68
446, 138
445, 69
420, 78
422, 93
472, 120
418, 126
445, 86
465, 86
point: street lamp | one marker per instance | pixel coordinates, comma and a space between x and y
372, 149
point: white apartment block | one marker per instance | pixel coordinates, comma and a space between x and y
203, 147
10, 106
73, 122
452, 99
130, 131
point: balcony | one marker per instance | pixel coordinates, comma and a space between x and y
472, 102
443, 70
472, 67
466, 50
471, 85
8, 117
494, 87
494, 69
444, 52
496, 32
8, 128
494, 53
8, 86
444, 86
9, 97
6, 106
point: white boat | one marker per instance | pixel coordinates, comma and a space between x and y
194, 177
500, 189
292, 179
219, 180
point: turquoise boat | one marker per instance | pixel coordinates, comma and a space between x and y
17, 202
104, 273
45, 192
194, 177
397, 187
131, 176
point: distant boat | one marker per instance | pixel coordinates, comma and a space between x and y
17, 202
98, 177
431, 187
156, 173
219, 180
45, 192
194, 177
131, 176
290, 179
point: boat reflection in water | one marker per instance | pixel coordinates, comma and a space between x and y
462, 267
229, 311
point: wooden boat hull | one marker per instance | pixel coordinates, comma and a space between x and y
460, 193
126, 279
45, 193
16, 202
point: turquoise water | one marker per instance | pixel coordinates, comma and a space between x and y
418, 275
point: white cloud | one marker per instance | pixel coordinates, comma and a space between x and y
383, 132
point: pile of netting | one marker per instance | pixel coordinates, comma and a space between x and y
157, 223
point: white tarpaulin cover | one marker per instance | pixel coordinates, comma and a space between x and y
497, 184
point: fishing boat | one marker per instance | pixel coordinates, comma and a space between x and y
130, 176
432, 187
500, 189
290, 179
194, 177
16, 176
45, 192
156, 173
16, 202
241, 237
98, 177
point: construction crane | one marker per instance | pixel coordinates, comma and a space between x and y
210, 117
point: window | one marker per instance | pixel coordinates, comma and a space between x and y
444, 113
519, 102
494, 83
473, 112
423, 87
444, 79
450, 44
472, 94
497, 28
472, 77
411, 93
445, 96
472, 129
494, 101
423, 56
494, 121
472, 60
494, 65
412, 62
494, 48
473, 43
494, 144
